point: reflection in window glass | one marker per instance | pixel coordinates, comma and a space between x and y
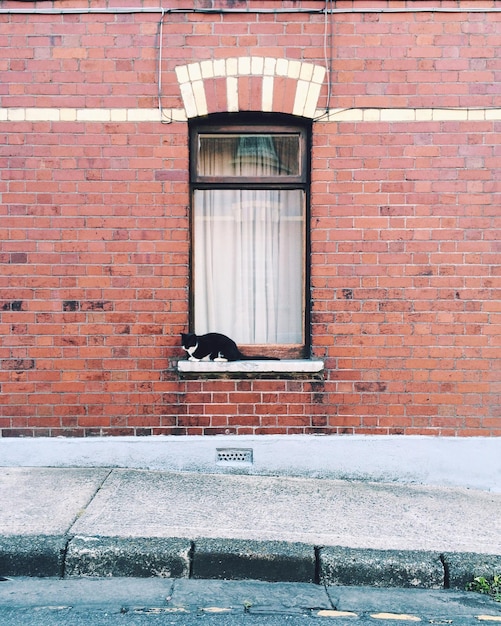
249, 155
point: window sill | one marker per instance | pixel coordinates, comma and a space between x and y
287, 368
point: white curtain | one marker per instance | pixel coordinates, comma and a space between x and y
248, 264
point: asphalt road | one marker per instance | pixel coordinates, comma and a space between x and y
155, 601
88, 618
27, 617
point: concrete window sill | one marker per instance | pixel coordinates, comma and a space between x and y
287, 368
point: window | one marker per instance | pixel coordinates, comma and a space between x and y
249, 198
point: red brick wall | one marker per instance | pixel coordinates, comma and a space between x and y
405, 226
406, 276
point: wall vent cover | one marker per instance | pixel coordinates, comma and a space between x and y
226, 456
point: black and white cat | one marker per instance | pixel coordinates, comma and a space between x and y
216, 346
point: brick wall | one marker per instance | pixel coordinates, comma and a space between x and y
405, 226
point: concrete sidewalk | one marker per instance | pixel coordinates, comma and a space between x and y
122, 522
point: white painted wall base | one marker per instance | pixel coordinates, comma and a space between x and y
466, 462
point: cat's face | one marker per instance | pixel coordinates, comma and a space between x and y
188, 340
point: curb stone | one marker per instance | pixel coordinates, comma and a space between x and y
461, 568
128, 557
32, 555
270, 561
381, 568
233, 559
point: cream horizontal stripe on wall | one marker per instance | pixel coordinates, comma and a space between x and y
412, 115
178, 115
35, 114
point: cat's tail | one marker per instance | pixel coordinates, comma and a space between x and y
260, 357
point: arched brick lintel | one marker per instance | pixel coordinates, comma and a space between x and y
250, 84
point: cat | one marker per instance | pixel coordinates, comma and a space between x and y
216, 346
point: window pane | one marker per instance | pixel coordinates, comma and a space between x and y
249, 256
249, 155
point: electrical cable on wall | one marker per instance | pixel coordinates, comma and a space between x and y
328, 11
164, 118
328, 58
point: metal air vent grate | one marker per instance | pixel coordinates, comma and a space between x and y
226, 456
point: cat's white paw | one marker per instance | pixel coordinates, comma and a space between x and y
221, 359
192, 358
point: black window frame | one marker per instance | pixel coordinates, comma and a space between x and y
258, 124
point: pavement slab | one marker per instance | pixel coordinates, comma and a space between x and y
318, 511
45, 501
314, 511
121, 522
